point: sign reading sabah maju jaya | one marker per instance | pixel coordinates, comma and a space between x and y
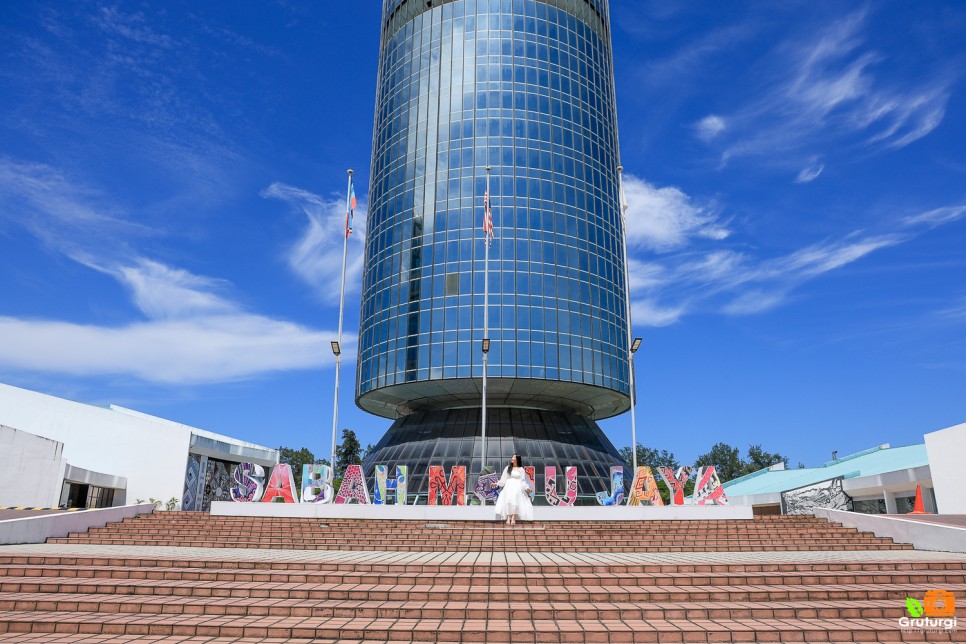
318, 486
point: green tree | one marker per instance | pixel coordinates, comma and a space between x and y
649, 456
296, 459
726, 459
367, 451
349, 452
759, 459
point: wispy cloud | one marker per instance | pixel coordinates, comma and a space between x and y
190, 334
810, 173
316, 256
709, 127
936, 217
828, 91
700, 272
62, 213
665, 218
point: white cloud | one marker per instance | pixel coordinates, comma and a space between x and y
207, 349
697, 272
828, 91
754, 301
316, 257
665, 218
58, 211
936, 217
649, 313
810, 173
645, 275
709, 127
193, 335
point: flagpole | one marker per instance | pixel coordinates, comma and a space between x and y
486, 308
338, 355
630, 330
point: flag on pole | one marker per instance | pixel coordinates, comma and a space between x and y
487, 217
350, 206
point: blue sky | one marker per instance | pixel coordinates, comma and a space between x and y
172, 180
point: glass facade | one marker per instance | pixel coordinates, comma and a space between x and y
525, 87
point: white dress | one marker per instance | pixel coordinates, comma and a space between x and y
514, 498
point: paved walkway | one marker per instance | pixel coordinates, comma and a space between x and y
483, 558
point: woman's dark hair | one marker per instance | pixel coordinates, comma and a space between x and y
519, 462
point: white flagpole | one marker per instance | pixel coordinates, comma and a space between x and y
630, 330
338, 356
486, 306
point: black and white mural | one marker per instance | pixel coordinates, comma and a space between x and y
828, 494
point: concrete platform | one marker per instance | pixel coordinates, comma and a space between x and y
924, 532
445, 513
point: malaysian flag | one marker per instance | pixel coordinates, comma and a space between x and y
487, 216
350, 206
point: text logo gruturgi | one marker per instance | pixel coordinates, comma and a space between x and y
936, 612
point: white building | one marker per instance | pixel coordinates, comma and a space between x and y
880, 480
55, 452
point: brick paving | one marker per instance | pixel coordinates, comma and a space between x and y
771, 579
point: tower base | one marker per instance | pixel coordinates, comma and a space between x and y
452, 437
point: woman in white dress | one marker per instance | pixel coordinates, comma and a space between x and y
514, 499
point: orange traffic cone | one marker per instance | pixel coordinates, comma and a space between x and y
918, 508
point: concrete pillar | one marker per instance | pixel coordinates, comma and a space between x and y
890, 500
929, 499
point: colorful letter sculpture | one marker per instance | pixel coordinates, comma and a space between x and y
353, 486
616, 496
249, 482
675, 481
708, 487
531, 473
439, 488
484, 489
644, 490
317, 483
384, 484
281, 485
550, 486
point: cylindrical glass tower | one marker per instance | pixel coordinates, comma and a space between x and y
524, 86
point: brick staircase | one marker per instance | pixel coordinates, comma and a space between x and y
770, 579
765, 534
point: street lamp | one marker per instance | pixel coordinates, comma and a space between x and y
636, 345
336, 349
486, 345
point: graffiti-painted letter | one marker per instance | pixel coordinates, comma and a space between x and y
708, 487
616, 496
353, 486
384, 484
249, 482
484, 489
317, 483
438, 486
550, 486
675, 481
644, 490
280, 486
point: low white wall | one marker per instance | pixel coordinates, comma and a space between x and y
39, 529
31, 469
150, 455
922, 535
946, 449
476, 512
